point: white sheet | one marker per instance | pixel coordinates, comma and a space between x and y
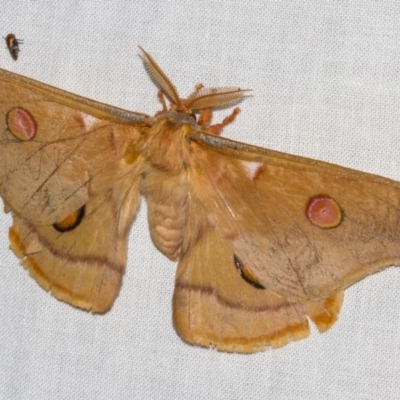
326, 80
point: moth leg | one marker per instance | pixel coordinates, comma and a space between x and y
161, 99
217, 129
205, 118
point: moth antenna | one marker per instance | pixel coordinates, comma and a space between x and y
214, 97
160, 78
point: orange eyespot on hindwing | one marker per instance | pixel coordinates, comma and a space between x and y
246, 274
71, 221
21, 124
323, 211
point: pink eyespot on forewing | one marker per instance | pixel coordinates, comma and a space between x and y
21, 124
324, 212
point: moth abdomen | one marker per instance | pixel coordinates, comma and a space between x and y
167, 198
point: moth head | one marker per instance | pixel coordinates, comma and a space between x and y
201, 98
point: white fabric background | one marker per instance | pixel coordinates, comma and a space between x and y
326, 80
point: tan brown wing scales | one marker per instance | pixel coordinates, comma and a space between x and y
285, 245
214, 306
65, 174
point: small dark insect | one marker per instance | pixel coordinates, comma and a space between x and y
13, 45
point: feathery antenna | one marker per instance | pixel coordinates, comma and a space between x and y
160, 78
